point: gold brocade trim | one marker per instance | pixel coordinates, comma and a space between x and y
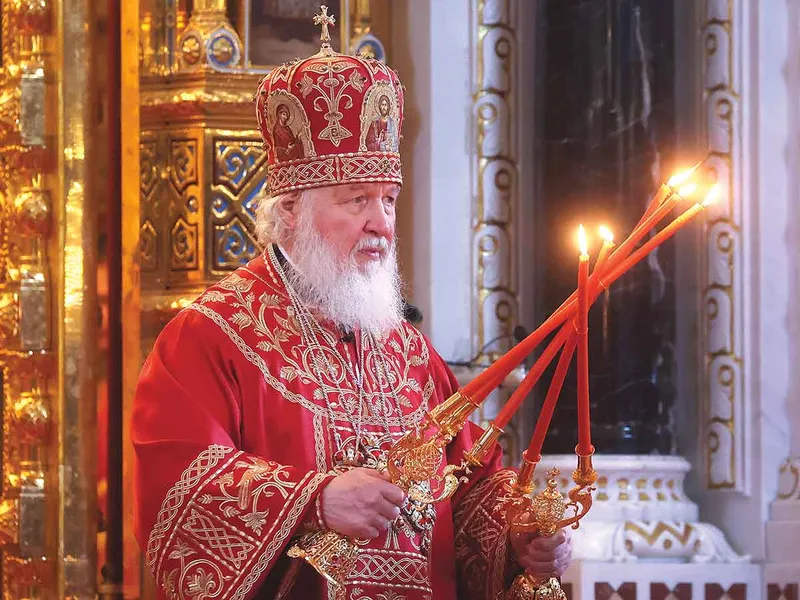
333, 169
391, 569
252, 313
288, 525
481, 535
174, 500
206, 549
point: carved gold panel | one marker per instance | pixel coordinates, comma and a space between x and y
46, 303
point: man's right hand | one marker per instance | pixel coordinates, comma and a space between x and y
361, 503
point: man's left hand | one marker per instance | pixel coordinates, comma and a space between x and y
543, 556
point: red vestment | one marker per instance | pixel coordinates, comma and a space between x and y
287, 145
235, 424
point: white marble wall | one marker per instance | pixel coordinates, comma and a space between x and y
432, 52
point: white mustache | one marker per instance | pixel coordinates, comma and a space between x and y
372, 243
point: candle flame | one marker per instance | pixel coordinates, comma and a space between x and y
606, 234
712, 194
583, 244
687, 190
679, 178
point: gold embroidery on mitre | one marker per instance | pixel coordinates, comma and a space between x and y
331, 83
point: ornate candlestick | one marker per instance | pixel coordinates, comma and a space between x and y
544, 514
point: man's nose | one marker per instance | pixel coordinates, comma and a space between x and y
379, 219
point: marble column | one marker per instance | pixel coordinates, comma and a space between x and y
782, 568
606, 109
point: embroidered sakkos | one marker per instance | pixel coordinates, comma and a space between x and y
237, 425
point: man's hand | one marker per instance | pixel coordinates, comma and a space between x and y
543, 556
361, 503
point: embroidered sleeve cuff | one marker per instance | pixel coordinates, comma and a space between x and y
315, 518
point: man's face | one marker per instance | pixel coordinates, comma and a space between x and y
283, 116
340, 240
356, 220
384, 106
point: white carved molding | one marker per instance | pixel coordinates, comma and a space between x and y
495, 180
783, 528
641, 513
724, 336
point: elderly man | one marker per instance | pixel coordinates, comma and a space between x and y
267, 407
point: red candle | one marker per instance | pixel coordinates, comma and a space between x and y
584, 423
654, 214
549, 406
613, 274
480, 387
605, 250
515, 401
665, 189
493, 376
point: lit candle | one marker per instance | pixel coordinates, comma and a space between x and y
665, 190
613, 274
605, 249
584, 423
515, 401
664, 200
656, 214
545, 416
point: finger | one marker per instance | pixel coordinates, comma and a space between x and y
380, 522
559, 553
393, 494
369, 532
544, 568
387, 510
550, 542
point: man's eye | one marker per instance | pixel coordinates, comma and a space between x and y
359, 200
389, 200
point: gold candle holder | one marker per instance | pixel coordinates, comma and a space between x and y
545, 514
332, 554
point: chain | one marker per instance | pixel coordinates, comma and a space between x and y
310, 328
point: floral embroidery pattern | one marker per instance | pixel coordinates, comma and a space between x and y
250, 324
220, 539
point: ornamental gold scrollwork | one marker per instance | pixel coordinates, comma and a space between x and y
148, 247
149, 174
236, 162
237, 185
789, 480
183, 164
26, 363
184, 246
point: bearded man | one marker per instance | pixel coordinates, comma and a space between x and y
267, 407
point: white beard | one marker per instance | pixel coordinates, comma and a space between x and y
367, 300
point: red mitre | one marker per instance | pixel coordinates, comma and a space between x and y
330, 119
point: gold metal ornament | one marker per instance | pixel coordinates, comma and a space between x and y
544, 514
333, 555
414, 464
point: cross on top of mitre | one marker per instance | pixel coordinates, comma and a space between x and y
325, 20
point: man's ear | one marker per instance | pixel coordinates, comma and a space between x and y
287, 208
